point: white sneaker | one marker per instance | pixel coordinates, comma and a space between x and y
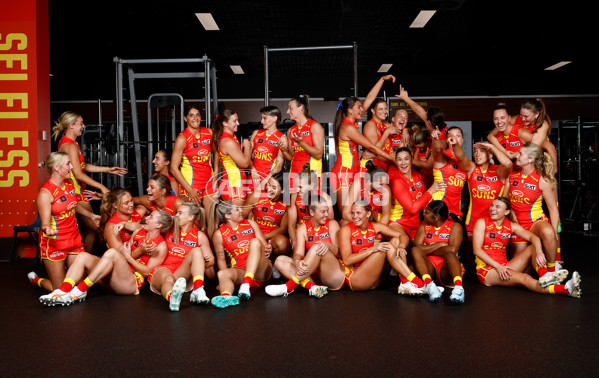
434, 294
56, 297
244, 291
410, 288
177, 294
553, 278
573, 286
559, 265
275, 273
458, 295
277, 290
77, 295
199, 296
318, 291
31, 276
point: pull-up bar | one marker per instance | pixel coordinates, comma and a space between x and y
267, 50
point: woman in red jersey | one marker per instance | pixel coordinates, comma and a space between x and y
189, 257
433, 118
307, 187
435, 252
158, 197
123, 270
248, 253
374, 188
485, 179
410, 195
267, 156
117, 207
191, 165
305, 140
57, 203
526, 188
162, 166
267, 208
315, 262
491, 235
70, 125
364, 258
233, 159
348, 137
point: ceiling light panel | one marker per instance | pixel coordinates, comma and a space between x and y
207, 21
237, 70
422, 18
557, 65
385, 67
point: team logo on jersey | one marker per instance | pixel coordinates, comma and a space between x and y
371, 239
492, 179
460, 176
412, 188
203, 152
310, 239
178, 250
206, 142
517, 193
497, 245
515, 183
429, 235
265, 209
324, 236
444, 236
479, 178
514, 144
233, 237
247, 232
279, 212
272, 143
243, 244
190, 243
268, 219
260, 140
195, 145
72, 205
63, 199
492, 235
358, 241
503, 145
262, 149
506, 236
484, 188
530, 186
305, 133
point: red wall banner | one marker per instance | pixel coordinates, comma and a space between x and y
24, 109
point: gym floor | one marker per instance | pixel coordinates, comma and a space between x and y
497, 332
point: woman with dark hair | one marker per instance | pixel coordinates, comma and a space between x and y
348, 137
162, 166
374, 188
435, 252
305, 140
233, 159
434, 118
422, 154
190, 162
267, 156
158, 197
491, 235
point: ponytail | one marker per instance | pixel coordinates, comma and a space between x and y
340, 115
542, 162
538, 106
303, 100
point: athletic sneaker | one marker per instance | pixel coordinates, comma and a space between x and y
434, 294
277, 290
199, 296
553, 278
458, 295
275, 273
410, 288
573, 286
56, 297
77, 295
244, 291
559, 265
223, 301
31, 276
177, 294
318, 291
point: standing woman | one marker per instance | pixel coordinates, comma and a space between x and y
305, 140
248, 252
348, 137
117, 207
70, 125
434, 118
233, 159
506, 136
526, 188
423, 158
490, 239
485, 179
374, 189
190, 162
162, 166
158, 197
57, 203
364, 259
267, 156
380, 132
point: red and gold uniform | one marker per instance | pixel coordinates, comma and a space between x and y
527, 200
433, 235
232, 180
79, 186
316, 234
511, 142
169, 207
409, 197
303, 211
268, 214
176, 253
455, 178
264, 155
138, 239
68, 238
494, 244
520, 123
348, 161
196, 166
374, 198
361, 239
125, 234
300, 156
423, 154
484, 187
380, 130
236, 242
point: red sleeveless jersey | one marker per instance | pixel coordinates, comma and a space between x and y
169, 206
79, 186
303, 211
268, 215
520, 123
264, 155
196, 166
361, 239
348, 159
300, 156
62, 220
511, 142
374, 198
484, 187
496, 241
455, 178
236, 242
176, 253
434, 235
526, 197
314, 234
138, 239
125, 234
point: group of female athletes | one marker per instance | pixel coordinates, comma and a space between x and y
393, 210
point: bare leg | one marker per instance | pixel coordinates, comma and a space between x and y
368, 275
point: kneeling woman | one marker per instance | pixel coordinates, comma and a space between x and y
490, 239
320, 263
248, 251
125, 270
189, 256
364, 259
435, 252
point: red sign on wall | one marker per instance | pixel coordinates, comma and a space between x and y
21, 113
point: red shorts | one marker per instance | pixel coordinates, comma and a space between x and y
57, 250
230, 193
482, 272
527, 226
437, 262
348, 273
203, 191
342, 179
139, 280
172, 267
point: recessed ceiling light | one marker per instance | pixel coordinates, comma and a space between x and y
385, 67
207, 21
422, 18
558, 65
237, 70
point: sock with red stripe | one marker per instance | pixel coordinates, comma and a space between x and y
248, 278
307, 284
427, 279
415, 280
292, 284
403, 280
541, 271
198, 282
457, 281
558, 289
67, 285
225, 294
558, 256
37, 281
551, 267
85, 284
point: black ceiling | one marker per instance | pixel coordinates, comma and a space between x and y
469, 48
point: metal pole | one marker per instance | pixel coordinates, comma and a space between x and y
135, 130
579, 147
120, 117
207, 90
355, 46
341, 47
266, 84
214, 91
